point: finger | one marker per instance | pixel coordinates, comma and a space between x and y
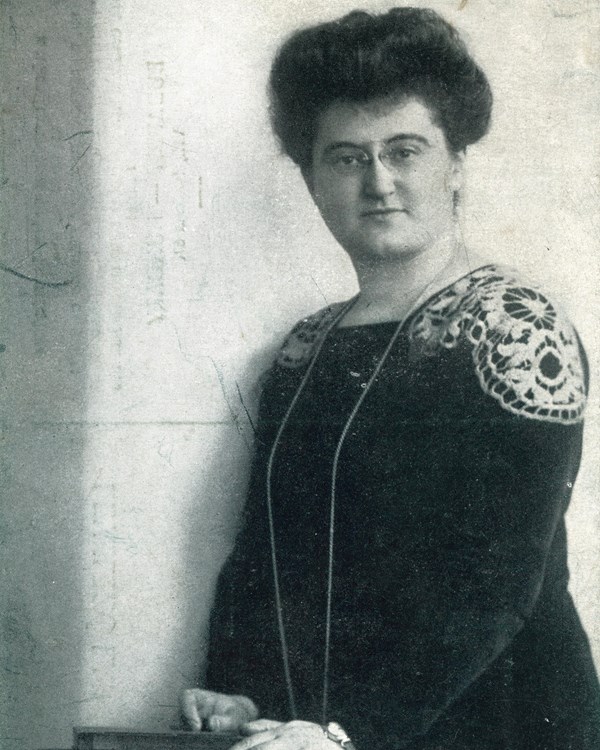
200, 701
256, 740
232, 705
260, 725
189, 708
248, 706
222, 723
303, 725
268, 741
294, 735
238, 707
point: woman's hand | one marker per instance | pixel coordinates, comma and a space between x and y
274, 735
216, 712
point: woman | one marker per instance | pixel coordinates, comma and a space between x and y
401, 569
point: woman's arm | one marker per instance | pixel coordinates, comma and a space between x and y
478, 582
495, 559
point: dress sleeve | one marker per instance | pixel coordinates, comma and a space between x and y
478, 582
491, 554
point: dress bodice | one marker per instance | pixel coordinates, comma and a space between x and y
449, 549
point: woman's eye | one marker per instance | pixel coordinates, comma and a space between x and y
347, 162
398, 155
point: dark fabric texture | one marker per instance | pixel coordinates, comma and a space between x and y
452, 624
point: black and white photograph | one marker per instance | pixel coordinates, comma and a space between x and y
299, 357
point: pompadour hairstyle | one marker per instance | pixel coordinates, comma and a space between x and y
362, 57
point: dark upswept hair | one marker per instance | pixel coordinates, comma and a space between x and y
364, 56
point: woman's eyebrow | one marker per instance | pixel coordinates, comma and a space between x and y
394, 139
409, 137
341, 144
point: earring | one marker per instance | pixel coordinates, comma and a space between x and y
455, 201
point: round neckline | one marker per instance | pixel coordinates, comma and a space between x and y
360, 326
418, 308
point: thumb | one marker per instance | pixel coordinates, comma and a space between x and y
260, 725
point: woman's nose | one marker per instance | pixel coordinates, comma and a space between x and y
378, 180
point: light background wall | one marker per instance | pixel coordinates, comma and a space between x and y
171, 247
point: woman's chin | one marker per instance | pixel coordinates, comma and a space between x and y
387, 250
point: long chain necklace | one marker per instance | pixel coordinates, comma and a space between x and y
329, 598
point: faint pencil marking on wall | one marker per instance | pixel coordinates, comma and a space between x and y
155, 238
79, 132
180, 157
81, 157
13, 28
568, 8
248, 415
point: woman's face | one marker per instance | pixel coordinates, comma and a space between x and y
383, 178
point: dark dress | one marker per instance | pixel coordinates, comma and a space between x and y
452, 625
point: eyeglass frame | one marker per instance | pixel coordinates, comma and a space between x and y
364, 160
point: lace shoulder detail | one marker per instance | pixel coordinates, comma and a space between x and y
525, 351
305, 336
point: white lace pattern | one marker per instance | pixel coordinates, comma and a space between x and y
525, 351
301, 342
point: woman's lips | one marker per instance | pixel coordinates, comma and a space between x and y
383, 211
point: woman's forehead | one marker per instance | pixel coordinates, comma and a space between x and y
376, 120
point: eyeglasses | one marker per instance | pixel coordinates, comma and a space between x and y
348, 160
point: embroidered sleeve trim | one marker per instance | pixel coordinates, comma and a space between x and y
304, 337
525, 352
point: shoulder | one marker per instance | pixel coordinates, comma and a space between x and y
525, 351
306, 335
